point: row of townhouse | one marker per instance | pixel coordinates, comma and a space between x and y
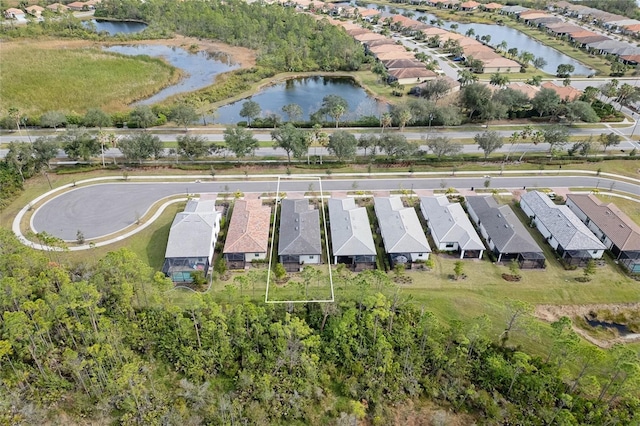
578, 231
472, 48
194, 232
36, 10
592, 41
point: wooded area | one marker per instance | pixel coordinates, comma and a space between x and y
105, 342
285, 40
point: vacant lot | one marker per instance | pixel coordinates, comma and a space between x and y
80, 76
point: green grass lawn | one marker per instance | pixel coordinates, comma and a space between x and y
37, 79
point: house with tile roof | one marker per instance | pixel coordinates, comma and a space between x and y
57, 8
506, 236
77, 6
351, 238
411, 75
13, 13
299, 240
492, 7
468, 5
571, 238
450, 227
566, 93
35, 10
248, 234
192, 239
617, 231
404, 239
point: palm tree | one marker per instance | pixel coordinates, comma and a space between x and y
453, 27
502, 46
470, 32
385, 121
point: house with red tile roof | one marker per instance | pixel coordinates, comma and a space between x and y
35, 10
468, 5
77, 6
248, 234
13, 13
492, 7
566, 93
57, 8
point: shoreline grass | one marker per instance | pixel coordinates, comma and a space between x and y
37, 79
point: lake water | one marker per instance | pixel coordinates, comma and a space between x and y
308, 93
116, 27
200, 68
513, 37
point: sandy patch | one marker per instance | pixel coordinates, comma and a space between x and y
552, 313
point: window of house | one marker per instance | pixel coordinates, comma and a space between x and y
450, 245
419, 254
312, 257
595, 252
257, 255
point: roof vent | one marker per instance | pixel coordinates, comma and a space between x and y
621, 226
506, 226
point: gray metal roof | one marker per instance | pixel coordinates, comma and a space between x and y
506, 231
450, 223
299, 229
350, 228
192, 231
561, 222
400, 227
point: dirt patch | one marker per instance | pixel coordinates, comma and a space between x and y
552, 313
240, 55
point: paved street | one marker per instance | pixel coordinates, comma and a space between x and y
103, 209
411, 134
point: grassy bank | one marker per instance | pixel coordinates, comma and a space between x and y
37, 79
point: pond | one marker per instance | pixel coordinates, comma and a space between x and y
622, 329
116, 27
308, 93
513, 37
200, 68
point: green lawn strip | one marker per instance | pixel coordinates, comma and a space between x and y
77, 79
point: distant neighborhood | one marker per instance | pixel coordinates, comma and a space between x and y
390, 232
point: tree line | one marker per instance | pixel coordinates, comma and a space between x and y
104, 342
286, 40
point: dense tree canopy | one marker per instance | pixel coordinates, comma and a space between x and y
285, 39
105, 344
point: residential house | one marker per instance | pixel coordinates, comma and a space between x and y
529, 90
368, 14
501, 65
413, 75
351, 238
573, 241
77, 6
299, 237
403, 63
35, 10
617, 231
566, 93
505, 235
468, 6
454, 86
450, 227
404, 239
13, 13
248, 234
57, 8
513, 10
192, 239
492, 7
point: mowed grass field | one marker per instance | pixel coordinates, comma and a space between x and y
37, 79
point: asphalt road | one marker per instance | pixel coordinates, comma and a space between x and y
103, 209
625, 144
